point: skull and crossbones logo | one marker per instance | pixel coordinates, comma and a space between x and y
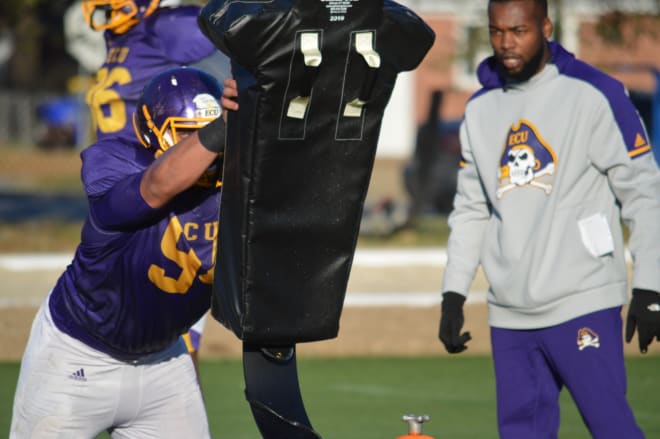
523, 167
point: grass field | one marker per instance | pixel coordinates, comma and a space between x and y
364, 398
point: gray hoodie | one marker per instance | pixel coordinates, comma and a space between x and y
550, 167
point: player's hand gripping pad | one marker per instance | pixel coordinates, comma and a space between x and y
313, 77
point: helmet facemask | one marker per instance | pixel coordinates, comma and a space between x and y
116, 15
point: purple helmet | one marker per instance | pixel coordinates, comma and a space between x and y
174, 103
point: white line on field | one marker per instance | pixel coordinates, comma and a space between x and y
406, 299
352, 300
363, 258
35, 261
400, 257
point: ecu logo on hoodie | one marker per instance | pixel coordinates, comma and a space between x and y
526, 159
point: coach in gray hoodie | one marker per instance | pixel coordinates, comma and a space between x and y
554, 156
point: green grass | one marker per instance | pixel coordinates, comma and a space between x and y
429, 231
364, 398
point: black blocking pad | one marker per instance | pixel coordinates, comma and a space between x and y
314, 77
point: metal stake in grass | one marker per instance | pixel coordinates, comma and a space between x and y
415, 426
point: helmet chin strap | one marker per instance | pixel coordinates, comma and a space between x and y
273, 391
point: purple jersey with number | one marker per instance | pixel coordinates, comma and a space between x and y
168, 38
140, 276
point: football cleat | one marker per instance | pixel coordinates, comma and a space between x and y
174, 104
117, 16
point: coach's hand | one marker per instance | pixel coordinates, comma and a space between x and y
451, 323
643, 314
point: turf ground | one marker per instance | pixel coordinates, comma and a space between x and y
365, 398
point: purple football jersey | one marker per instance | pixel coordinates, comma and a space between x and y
140, 276
168, 38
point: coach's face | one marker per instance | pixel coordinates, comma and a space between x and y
518, 33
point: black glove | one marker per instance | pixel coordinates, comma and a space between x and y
644, 314
212, 135
451, 323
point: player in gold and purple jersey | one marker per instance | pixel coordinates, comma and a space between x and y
105, 352
143, 38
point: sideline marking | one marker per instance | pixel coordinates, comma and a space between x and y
35, 261
352, 300
405, 299
363, 258
370, 258
402, 257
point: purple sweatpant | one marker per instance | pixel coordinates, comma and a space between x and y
585, 355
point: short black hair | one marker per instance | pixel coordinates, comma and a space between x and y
541, 4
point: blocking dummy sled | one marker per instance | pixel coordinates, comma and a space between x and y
314, 77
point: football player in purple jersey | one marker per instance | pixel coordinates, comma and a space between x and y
144, 38
105, 352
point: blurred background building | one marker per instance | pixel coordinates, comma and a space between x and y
46, 51
48, 56
621, 37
